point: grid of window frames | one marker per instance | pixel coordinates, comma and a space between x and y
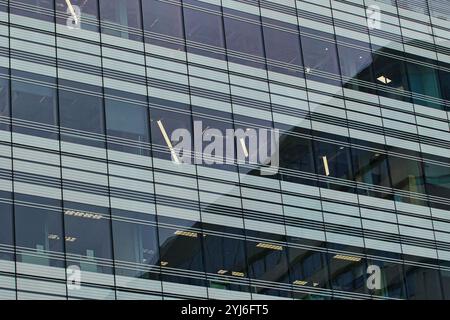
87, 177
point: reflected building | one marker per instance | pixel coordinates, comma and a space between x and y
92, 90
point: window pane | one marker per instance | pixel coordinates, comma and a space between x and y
225, 259
437, 180
333, 160
128, 133
121, 18
36, 9
267, 262
35, 105
392, 279
244, 38
204, 29
282, 45
6, 232
88, 10
424, 80
136, 244
88, 238
4, 103
406, 174
391, 77
81, 114
163, 23
356, 65
348, 273
422, 283
39, 233
320, 57
370, 167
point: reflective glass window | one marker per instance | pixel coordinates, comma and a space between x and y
36, 9
136, 247
204, 29
81, 114
4, 102
121, 18
333, 160
406, 174
244, 38
34, 104
424, 80
437, 180
6, 232
127, 126
348, 273
163, 23
282, 46
86, 18
320, 57
390, 276
39, 232
370, 167
422, 283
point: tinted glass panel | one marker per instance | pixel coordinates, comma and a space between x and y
4, 104
88, 20
437, 180
36, 9
121, 18
6, 232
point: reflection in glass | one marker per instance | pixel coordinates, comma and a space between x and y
437, 180
348, 273
4, 101
89, 14
6, 232
422, 283
406, 174
36, 9
391, 77
121, 18
423, 80
391, 281
333, 160
370, 167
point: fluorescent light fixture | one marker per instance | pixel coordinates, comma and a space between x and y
164, 263
300, 282
237, 274
222, 271
81, 214
186, 233
347, 258
168, 142
70, 239
269, 246
53, 237
315, 284
72, 11
384, 79
244, 147
325, 165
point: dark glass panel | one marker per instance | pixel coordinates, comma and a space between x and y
424, 80
36, 9
356, 65
244, 38
320, 57
136, 245
225, 260
333, 160
4, 103
307, 268
121, 18
348, 273
81, 114
128, 133
437, 180
406, 174
163, 23
89, 14
282, 45
391, 279
35, 104
391, 76
204, 29
370, 167
88, 238
422, 283
6, 231
268, 262
39, 235
445, 86
181, 249
445, 280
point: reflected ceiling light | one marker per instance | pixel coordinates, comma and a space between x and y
384, 79
186, 233
300, 282
72, 11
81, 214
164, 263
244, 147
347, 258
325, 165
71, 239
315, 284
237, 274
168, 142
222, 271
269, 246
308, 70
53, 237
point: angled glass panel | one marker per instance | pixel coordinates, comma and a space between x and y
422, 283
370, 167
36, 9
6, 232
4, 101
390, 276
121, 18
348, 273
437, 180
86, 20
406, 174
333, 160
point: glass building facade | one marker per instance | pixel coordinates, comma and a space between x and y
86, 171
